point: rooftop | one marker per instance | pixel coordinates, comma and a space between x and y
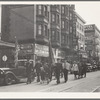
80, 17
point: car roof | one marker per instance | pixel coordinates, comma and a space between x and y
25, 60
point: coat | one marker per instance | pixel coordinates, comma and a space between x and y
75, 67
29, 67
58, 68
37, 67
66, 65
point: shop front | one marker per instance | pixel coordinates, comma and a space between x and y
41, 52
58, 54
26, 51
6, 54
37, 52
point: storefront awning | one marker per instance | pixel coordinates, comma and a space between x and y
4, 45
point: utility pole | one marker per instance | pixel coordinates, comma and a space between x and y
33, 45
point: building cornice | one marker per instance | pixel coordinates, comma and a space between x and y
80, 17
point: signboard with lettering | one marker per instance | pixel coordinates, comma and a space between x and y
41, 50
25, 46
61, 54
89, 27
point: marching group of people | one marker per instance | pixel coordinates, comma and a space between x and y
44, 71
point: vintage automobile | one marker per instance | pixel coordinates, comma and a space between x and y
89, 67
12, 75
94, 67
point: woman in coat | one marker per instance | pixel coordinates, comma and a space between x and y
75, 69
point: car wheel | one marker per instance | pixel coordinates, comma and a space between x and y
9, 79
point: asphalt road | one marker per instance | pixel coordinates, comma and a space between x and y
88, 84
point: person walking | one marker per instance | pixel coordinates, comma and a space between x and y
66, 68
84, 69
75, 69
58, 69
42, 74
47, 72
29, 69
80, 69
38, 70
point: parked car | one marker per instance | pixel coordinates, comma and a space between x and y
12, 75
89, 67
94, 67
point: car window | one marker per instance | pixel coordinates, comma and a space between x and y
21, 66
21, 63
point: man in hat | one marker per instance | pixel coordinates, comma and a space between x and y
29, 69
38, 69
66, 68
58, 69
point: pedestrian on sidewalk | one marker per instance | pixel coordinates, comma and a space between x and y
75, 69
42, 74
66, 68
84, 69
29, 69
38, 70
47, 72
58, 69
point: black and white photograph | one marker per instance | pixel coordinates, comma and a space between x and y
50, 47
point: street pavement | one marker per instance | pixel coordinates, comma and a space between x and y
88, 84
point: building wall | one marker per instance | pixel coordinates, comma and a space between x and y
65, 26
80, 32
26, 22
92, 34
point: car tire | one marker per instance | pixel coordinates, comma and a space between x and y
9, 79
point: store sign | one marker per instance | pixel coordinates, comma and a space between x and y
61, 54
25, 49
89, 27
41, 50
4, 58
25, 46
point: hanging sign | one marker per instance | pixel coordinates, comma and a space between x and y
4, 58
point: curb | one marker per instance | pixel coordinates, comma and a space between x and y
95, 90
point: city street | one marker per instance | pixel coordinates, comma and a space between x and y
88, 84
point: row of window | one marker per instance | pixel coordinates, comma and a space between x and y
65, 39
65, 10
64, 25
41, 29
80, 27
55, 18
45, 9
80, 36
55, 35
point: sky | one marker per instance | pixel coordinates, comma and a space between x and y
89, 11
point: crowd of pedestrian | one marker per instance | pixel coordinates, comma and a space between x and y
45, 72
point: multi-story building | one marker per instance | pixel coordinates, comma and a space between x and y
65, 28
92, 34
80, 34
29, 23
76, 34
36, 25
